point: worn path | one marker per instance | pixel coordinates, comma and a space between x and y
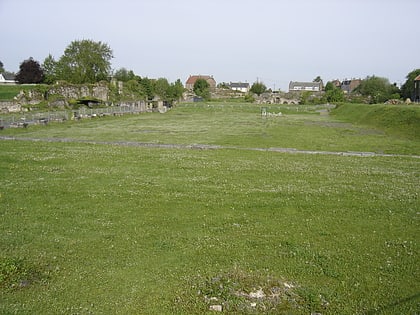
205, 147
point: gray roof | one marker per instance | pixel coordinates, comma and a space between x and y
238, 85
304, 84
9, 76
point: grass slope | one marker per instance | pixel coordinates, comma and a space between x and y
402, 120
109, 229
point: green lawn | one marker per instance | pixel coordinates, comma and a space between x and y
8, 92
300, 127
114, 229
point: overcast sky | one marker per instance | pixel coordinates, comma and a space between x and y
274, 41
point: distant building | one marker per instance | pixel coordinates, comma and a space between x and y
348, 86
189, 85
7, 78
239, 86
305, 86
336, 83
417, 89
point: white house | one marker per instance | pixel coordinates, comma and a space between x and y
239, 86
305, 86
6, 78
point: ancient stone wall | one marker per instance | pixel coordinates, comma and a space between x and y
99, 91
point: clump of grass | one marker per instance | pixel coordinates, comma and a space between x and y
17, 273
252, 292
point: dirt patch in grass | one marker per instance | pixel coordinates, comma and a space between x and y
241, 292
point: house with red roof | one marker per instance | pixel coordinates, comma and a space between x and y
189, 85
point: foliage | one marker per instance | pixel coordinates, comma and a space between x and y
124, 75
176, 90
1, 67
333, 94
50, 70
133, 89
407, 89
85, 61
258, 88
319, 79
249, 98
161, 88
304, 97
202, 88
30, 71
376, 89
146, 85
223, 85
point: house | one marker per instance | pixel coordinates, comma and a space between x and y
189, 85
305, 86
239, 86
348, 86
7, 78
417, 89
336, 83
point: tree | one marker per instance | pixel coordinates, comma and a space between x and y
146, 87
377, 89
176, 90
258, 88
124, 75
319, 80
30, 71
1, 67
161, 87
407, 89
85, 61
50, 69
202, 88
333, 93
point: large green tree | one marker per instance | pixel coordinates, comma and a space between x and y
258, 88
146, 86
333, 93
202, 88
176, 90
377, 89
124, 75
407, 89
50, 69
161, 88
85, 61
30, 71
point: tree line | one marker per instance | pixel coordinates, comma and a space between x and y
87, 61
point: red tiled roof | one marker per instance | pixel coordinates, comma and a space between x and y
193, 78
417, 78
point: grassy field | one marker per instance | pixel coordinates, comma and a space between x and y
8, 92
119, 229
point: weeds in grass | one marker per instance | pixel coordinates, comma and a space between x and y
17, 273
252, 292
